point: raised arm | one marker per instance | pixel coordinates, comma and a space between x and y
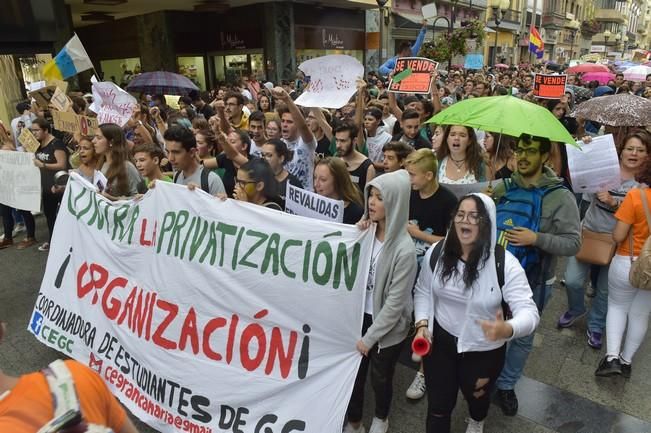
415, 49
359, 114
299, 120
323, 123
393, 106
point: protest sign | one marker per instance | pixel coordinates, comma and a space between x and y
29, 142
111, 103
459, 190
474, 61
20, 181
595, 166
331, 81
60, 101
412, 75
206, 315
75, 123
308, 204
42, 96
549, 86
61, 84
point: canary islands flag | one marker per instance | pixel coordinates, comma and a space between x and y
71, 60
536, 44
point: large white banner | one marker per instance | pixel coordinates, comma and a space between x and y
20, 181
205, 315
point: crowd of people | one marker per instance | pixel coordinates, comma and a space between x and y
442, 267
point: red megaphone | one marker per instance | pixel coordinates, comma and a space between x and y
420, 346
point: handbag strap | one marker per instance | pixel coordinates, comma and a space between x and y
647, 215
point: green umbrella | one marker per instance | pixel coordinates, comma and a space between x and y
505, 115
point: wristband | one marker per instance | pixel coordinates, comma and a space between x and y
421, 323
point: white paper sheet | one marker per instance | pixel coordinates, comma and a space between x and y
332, 81
594, 167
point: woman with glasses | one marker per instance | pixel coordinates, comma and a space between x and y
458, 308
255, 184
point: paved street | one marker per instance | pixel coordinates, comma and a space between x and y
559, 394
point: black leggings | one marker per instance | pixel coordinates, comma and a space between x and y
50, 208
8, 222
383, 365
447, 371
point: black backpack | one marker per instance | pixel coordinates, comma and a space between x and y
204, 179
499, 267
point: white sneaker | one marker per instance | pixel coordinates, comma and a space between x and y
417, 388
19, 228
350, 429
475, 426
379, 426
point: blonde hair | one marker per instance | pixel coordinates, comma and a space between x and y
343, 185
424, 159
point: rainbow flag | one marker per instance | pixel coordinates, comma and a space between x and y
71, 60
536, 44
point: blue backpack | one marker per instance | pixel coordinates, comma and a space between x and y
521, 207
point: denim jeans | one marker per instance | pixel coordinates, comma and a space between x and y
518, 349
575, 276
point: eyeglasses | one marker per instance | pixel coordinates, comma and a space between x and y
635, 149
472, 217
243, 183
530, 151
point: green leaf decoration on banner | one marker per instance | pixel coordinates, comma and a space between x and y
401, 76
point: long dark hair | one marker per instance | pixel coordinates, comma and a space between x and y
260, 171
480, 251
474, 152
117, 170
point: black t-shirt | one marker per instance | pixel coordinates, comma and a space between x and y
433, 213
229, 173
353, 213
282, 186
207, 111
323, 147
46, 155
417, 143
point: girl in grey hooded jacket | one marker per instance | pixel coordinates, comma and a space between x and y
389, 302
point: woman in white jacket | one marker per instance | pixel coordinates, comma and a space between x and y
458, 308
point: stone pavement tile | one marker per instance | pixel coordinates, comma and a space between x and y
628, 396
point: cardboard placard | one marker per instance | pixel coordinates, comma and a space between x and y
61, 84
549, 86
412, 75
29, 142
60, 101
474, 61
75, 123
43, 96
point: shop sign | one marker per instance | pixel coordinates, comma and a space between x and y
231, 41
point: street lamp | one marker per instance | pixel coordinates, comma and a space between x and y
607, 35
499, 9
574, 27
625, 41
381, 4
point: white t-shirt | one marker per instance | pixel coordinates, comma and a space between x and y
375, 145
302, 165
255, 150
370, 284
389, 124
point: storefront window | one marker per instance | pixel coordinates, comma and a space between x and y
232, 67
307, 54
31, 68
120, 71
193, 68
